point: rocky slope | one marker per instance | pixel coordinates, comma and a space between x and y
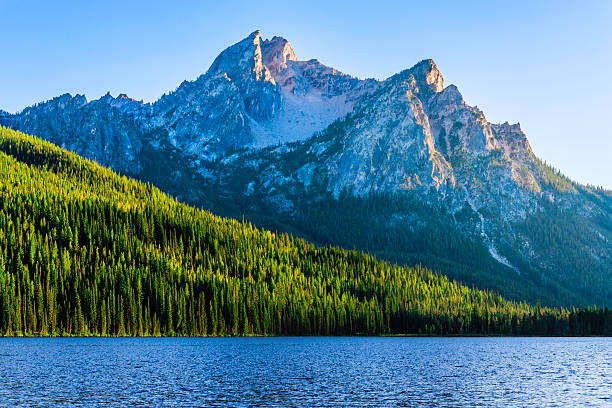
403, 167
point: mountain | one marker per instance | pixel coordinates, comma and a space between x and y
403, 168
84, 251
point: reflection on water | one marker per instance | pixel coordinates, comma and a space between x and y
306, 372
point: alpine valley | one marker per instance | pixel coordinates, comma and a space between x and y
402, 168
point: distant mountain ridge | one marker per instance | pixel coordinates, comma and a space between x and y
402, 167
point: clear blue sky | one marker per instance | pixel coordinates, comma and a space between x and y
545, 64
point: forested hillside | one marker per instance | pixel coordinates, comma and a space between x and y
84, 251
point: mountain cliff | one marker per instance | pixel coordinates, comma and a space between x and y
404, 168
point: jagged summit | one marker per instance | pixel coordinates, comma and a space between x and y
122, 96
122, 102
275, 98
243, 60
62, 101
427, 76
276, 52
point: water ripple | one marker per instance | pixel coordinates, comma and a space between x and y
306, 372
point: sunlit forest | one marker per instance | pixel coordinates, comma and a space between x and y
84, 251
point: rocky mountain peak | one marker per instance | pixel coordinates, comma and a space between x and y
65, 101
243, 61
512, 138
122, 102
428, 76
507, 127
276, 52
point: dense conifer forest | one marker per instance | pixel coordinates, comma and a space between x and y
84, 251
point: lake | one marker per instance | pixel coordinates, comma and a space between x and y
306, 372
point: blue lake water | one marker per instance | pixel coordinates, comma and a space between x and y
441, 372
